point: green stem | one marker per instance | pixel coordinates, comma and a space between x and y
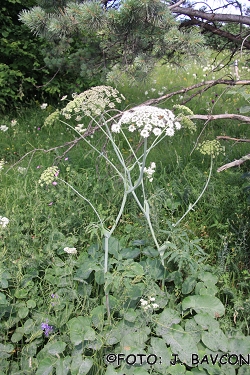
197, 200
80, 195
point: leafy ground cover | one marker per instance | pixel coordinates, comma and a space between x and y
188, 314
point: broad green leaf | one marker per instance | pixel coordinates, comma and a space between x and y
4, 276
193, 329
97, 316
154, 268
23, 312
6, 350
130, 253
77, 326
206, 321
110, 370
244, 370
31, 303
208, 278
166, 319
140, 371
114, 247
55, 348
3, 300
178, 369
85, 366
46, 366
134, 269
28, 326
21, 293
130, 315
63, 366
136, 338
99, 277
17, 335
209, 304
181, 343
160, 349
215, 340
188, 285
239, 345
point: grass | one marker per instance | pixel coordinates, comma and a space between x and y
44, 221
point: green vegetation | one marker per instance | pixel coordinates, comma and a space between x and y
53, 290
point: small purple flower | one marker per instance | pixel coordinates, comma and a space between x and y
57, 173
66, 158
50, 204
46, 328
38, 128
54, 183
212, 101
54, 295
38, 166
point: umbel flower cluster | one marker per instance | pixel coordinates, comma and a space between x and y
150, 171
92, 102
212, 148
48, 176
148, 304
148, 120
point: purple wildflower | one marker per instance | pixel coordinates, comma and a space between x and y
50, 204
46, 328
66, 158
54, 183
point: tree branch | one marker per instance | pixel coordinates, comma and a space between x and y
207, 84
220, 117
234, 163
232, 139
215, 30
212, 17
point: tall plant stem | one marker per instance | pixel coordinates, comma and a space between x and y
191, 206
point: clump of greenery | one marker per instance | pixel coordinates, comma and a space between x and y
53, 291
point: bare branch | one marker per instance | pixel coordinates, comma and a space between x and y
234, 163
208, 84
212, 17
176, 4
221, 117
232, 139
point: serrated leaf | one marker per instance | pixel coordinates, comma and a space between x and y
205, 303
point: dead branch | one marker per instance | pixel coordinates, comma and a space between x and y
234, 163
208, 84
220, 117
232, 139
